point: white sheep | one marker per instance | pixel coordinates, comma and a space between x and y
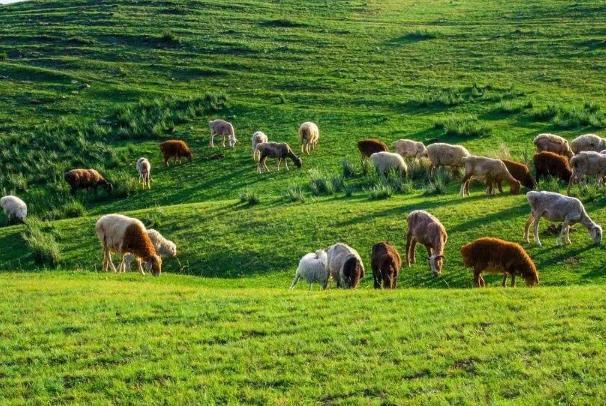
410, 148
587, 163
345, 265
553, 143
309, 134
258, 137
588, 142
14, 208
224, 129
313, 268
144, 168
163, 246
556, 207
493, 171
441, 154
384, 162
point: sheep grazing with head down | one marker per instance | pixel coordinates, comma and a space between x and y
258, 137
441, 154
385, 263
175, 150
551, 164
369, 147
521, 173
385, 162
410, 149
223, 129
14, 208
309, 134
494, 255
163, 246
588, 142
86, 179
120, 234
492, 170
429, 231
587, 163
313, 268
556, 207
144, 168
345, 265
553, 143
279, 150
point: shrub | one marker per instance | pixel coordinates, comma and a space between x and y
401, 186
168, 37
467, 126
337, 183
437, 185
249, 198
510, 106
349, 190
380, 191
418, 170
295, 194
420, 35
320, 184
365, 167
349, 171
43, 246
124, 184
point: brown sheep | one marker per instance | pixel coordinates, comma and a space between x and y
492, 170
426, 229
370, 146
493, 255
175, 149
385, 263
520, 172
280, 150
551, 164
86, 179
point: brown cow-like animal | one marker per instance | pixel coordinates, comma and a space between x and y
86, 179
385, 263
175, 149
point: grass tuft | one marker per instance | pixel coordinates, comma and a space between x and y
249, 198
42, 245
466, 126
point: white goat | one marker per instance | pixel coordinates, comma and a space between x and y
309, 134
441, 154
587, 163
553, 143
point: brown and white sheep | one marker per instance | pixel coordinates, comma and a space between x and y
371, 146
493, 255
385, 262
164, 247
175, 150
345, 265
309, 134
258, 137
492, 170
587, 163
410, 149
224, 129
144, 168
551, 164
279, 150
426, 229
86, 179
520, 172
588, 142
441, 154
553, 143
120, 234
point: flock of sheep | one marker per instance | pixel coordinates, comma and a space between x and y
584, 156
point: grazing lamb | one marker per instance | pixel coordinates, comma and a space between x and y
588, 142
384, 162
144, 169
498, 256
520, 172
175, 149
441, 154
224, 129
385, 263
258, 137
86, 179
345, 265
14, 208
121, 234
553, 143
164, 248
556, 207
369, 147
492, 170
587, 163
313, 268
427, 230
309, 134
410, 149
279, 150
551, 164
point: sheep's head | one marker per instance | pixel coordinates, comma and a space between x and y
530, 182
352, 272
435, 263
108, 186
155, 262
422, 151
531, 278
596, 234
232, 141
515, 187
298, 161
189, 155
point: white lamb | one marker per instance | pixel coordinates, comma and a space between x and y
587, 163
384, 162
144, 169
309, 134
588, 142
441, 154
313, 268
14, 208
223, 129
258, 137
410, 148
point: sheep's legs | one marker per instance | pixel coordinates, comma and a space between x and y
279, 162
513, 280
564, 238
536, 231
409, 249
527, 227
294, 282
504, 280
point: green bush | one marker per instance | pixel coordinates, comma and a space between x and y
294, 194
380, 191
43, 246
349, 171
320, 184
437, 185
467, 126
249, 198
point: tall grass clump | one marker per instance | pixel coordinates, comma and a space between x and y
438, 185
294, 194
42, 245
249, 198
550, 184
513, 106
466, 126
380, 191
320, 184
569, 117
349, 170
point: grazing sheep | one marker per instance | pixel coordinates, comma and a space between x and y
441, 154
520, 172
384, 162
121, 234
164, 248
86, 179
556, 207
553, 143
14, 208
410, 149
587, 163
427, 230
144, 169
313, 268
551, 164
385, 263
588, 142
492, 170
309, 134
498, 256
258, 137
175, 149
279, 150
345, 265
224, 129
369, 147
